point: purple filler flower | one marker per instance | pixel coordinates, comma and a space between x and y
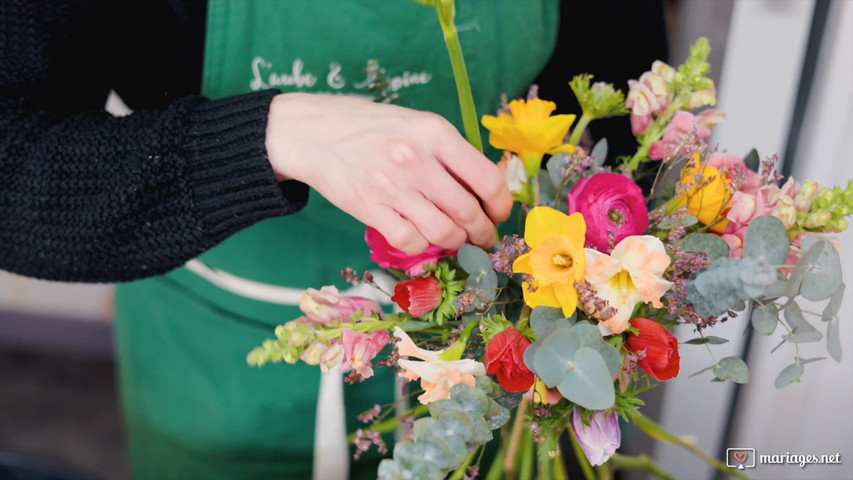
613, 207
601, 438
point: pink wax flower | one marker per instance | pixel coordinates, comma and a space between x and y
387, 256
601, 438
326, 305
673, 138
613, 207
361, 348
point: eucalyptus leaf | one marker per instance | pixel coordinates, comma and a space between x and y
767, 237
833, 340
709, 367
752, 160
710, 244
834, 304
672, 222
732, 368
801, 330
550, 358
599, 152
789, 375
543, 318
474, 260
415, 325
710, 339
764, 318
555, 167
486, 282
777, 346
823, 278
807, 259
804, 361
588, 382
547, 189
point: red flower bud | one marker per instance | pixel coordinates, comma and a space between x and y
418, 296
505, 360
661, 359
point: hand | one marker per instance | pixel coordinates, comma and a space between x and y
407, 173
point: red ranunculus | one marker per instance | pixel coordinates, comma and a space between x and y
613, 207
418, 296
505, 360
662, 360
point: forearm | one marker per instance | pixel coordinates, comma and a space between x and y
89, 197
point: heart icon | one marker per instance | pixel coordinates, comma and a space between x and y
740, 456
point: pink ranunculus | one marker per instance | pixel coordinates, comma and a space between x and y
387, 256
682, 123
361, 348
613, 207
326, 305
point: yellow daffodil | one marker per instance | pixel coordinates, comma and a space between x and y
632, 273
707, 193
530, 131
556, 259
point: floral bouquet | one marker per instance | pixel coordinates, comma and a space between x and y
562, 326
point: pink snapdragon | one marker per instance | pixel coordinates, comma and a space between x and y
361, 348
387, 256
784, 203
650, 95
673, 141
613, 207
324, 306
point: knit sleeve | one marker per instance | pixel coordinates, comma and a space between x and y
85, 196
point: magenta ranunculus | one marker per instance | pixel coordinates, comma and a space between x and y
601, 438
387, 256
613, 207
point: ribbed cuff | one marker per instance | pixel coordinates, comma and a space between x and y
233, 182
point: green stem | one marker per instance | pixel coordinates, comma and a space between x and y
391, 424
641, 462
575, 138
527, 452
463, 469
586, 468
446, 14
559, 466
496, 470
657, 432
514, 444
458, 348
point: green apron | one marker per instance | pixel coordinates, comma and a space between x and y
193, 408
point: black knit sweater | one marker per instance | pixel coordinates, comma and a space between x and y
85, 196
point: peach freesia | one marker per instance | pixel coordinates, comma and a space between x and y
437, 376
632, 273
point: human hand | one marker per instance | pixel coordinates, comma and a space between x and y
408, 174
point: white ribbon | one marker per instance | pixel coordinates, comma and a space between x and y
331, 450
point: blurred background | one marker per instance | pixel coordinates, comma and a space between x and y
784, 76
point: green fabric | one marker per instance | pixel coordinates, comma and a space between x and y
194, 409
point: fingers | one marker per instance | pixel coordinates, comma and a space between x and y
399, 231
479, 175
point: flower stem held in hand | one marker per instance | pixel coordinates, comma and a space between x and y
446, 14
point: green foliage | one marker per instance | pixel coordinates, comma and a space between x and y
442, 441
575, 360
789, 375
732, 368
767, 237
598, 100
708, 243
